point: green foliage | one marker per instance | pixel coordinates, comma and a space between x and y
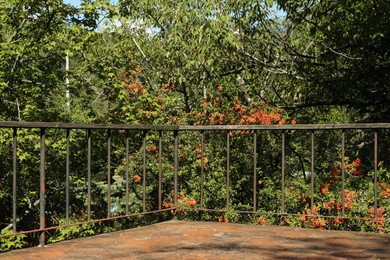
164, 62
11, 242
339, 48
72, 232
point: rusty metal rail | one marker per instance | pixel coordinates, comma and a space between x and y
16, 124
175, 130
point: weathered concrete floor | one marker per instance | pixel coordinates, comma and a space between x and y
206, 240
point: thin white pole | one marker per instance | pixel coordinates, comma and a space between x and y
67, 93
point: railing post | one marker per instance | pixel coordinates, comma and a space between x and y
14, 180
67, 178
144, 173
127, 172
201, 169
159, 169
343, 173
89, 134
42, 195
312, 175
108, 173
283, 169
176, 166
254, 171
228, 170
376, 175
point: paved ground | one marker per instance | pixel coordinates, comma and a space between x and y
205, 240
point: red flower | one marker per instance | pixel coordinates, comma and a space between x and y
330, 205
151, 148
262, 221
357, 163
385, 193
168, 205
223, 219
380, 211
324, 190
315, 210
137, 178
192, 203
356, 172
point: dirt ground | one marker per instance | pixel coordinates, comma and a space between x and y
210, 240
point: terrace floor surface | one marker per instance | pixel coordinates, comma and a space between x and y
210, 240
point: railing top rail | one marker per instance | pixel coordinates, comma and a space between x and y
16, 124
288, 127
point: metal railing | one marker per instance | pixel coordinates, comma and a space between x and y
175, 131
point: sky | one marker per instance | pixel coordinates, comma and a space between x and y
73, 2
77, 3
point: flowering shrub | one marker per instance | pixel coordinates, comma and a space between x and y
262, 221
237, 114
326, 213
184, 207
223, 219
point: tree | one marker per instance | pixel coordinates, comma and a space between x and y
340, 47
199, 45
31, 56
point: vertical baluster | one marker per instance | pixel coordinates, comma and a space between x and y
254, 171
108, 173
127, 172
312, 175
176, 166
67, 178
343, 173
159, 169
283, 169
201, 169
375, 174
42, 198
14, 180
144, 174
89, 134
227, 169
